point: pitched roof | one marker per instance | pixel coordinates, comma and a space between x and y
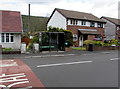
78, 15
11, 21
113, 20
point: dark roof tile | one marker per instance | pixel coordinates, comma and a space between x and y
78, 15
113, 20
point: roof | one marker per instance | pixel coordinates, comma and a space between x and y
79, 15
89, 31
113, 20
11, 21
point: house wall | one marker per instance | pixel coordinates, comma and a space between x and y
118, 34
91, 37
15, 45
110, 30
79, 23
57, 20
75, 28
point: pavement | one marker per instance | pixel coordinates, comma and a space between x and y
48, 54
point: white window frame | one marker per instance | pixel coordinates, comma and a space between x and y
92, 24
83, 23
5, 40
74, 22
75, 37
100, 25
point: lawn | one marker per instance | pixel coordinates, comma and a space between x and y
79, 48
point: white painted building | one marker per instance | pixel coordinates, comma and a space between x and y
10, 29
57, 20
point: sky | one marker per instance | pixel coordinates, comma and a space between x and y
45, 8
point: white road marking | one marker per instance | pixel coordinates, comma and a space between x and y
59, 55
114, 59
59, 64
106, 52
71, 54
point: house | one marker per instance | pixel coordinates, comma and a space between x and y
10, 29
112, 28
84, 26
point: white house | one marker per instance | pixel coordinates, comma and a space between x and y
84, 26
10, 29
112, 28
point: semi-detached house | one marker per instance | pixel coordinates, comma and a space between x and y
10, 29
112, 28
84, 26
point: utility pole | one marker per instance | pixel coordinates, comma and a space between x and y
29, 19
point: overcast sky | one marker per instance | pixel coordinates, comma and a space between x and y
44, 8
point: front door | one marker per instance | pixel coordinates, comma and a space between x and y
81, 40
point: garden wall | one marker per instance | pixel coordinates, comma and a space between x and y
96, 48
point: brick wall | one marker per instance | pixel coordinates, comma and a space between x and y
91, 37
75, 28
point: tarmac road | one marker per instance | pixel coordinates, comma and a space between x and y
89, 69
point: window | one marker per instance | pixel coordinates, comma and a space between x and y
92, 24
2, 36
100, 25
73, 22
7, 37
83, 22
75, 37
12, 37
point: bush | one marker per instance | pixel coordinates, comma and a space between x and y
7, 49
86, 42
35, 39
111, 42
98, 43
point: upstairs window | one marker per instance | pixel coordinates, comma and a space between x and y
100, 25
74, 22
83, 23
92, 24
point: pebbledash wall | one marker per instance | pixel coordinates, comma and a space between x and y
16, 44
110, 30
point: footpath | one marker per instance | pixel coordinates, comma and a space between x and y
49, 54
44, 54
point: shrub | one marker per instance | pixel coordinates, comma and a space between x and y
114, 41
35, 39
7, 49
86, 42
98, 43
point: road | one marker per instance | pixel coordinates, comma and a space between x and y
92, 69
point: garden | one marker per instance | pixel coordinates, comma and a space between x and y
106, 45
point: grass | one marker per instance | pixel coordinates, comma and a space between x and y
79, 48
